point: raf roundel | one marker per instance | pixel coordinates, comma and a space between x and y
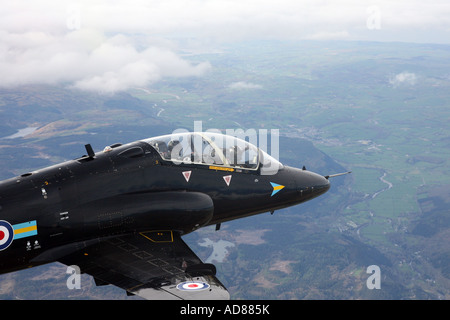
192, 286
6, 234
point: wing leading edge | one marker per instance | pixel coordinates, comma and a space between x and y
153, 265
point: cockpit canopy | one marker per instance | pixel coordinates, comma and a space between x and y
213, 149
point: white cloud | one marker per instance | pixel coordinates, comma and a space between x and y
403, 79
88, 60
114, 67
38, 46
242, 85
228, 19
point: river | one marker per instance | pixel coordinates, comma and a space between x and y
389, 186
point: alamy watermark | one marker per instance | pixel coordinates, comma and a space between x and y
373, 21
374, 281
74, 280
73, 18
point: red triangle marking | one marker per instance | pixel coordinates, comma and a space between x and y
227, 179
187, 175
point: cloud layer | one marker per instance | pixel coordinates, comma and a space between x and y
243, 85
58, 45
403, 79
114, 45
87, 60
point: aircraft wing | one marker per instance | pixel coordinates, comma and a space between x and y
153, 265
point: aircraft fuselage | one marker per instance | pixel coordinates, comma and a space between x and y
130, 188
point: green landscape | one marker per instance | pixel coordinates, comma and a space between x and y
380, 110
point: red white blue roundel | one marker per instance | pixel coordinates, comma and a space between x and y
6, 234
192, 286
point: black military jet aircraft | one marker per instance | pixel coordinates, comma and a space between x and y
119, 214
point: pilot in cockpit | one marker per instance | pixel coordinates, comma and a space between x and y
171, 152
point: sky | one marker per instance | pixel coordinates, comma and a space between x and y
115, 45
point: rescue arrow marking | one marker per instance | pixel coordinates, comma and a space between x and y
276, 187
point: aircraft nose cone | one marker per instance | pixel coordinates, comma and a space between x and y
320, 184
310, 184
